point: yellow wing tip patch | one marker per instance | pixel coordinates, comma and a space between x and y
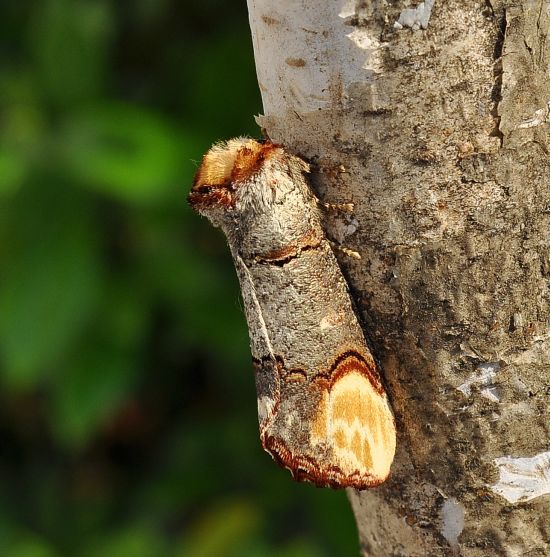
354, 422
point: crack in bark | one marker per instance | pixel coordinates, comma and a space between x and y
496, 93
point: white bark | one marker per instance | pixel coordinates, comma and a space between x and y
435, 123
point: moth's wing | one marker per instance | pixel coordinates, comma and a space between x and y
337, 431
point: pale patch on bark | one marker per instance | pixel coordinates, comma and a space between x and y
523, 479
541, 116
415, 18
483, 377
452, 517
327, 63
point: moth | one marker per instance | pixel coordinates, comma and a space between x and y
323, 411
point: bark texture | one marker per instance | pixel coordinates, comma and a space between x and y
438, 130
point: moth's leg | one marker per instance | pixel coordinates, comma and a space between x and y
329, 211
344, 207
339, 207
343, 249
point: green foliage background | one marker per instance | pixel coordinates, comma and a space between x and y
128, 420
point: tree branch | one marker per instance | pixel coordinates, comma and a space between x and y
439, 136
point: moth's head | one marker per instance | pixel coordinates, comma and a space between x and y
224, 168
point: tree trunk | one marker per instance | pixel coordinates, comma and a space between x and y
433, 119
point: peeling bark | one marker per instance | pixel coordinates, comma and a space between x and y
440, 137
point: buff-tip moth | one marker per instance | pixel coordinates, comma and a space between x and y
323, 411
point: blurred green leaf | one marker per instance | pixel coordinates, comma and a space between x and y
149, 10
48, 283
22, 131
217, 61
69, 40
23, 120
124, 312
140, 408
31, 546
301, 548
140, 540
12, 171
90, 391
332, 514
193, 283
124, 151
223, 530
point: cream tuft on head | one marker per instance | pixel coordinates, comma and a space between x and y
218, 163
